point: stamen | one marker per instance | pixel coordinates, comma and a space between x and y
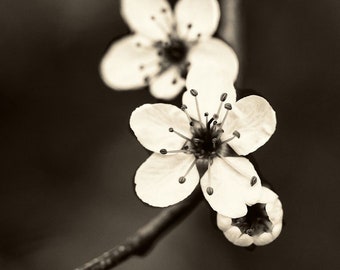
194, 93
160, 26
182, 179
179, 134
164, 151
236, 134
209, 189
253, 180
228, 107
184, 109
206, 119
222, 99
214, 140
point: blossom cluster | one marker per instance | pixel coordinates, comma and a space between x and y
204, 142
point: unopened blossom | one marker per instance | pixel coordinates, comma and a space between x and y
164, 45
260, 226
206, 137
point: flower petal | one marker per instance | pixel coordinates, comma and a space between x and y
213, 52
168, 84
244, 240
157, 179
263, 239
151, 123
254, 119
197, 19
267, 195
230, 179
233, 234
223, 222
277, 230
120, 67
151, 18
274, 211
210, 83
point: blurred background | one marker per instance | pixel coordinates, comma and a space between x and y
68, 156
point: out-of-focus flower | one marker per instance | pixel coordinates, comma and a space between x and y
260, 226
164, 44
210, 131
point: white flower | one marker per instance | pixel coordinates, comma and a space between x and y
211, 131
164, 44
261, 225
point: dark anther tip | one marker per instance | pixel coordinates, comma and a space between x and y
206, 114
237, 134
223, 97
184, 107
228, 106
163, 151
193, 92
210, 190
171, 129
181, 180
253, 180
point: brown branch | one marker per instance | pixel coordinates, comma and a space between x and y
144, 239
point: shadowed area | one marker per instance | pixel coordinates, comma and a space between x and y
68, 156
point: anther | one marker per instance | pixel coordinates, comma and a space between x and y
152, 18
163, 10
163, 151
228, 106
174, 81
237, 134
181, 180
141, 67
210, 190
179, 134
223, 97
189, 25
253, 180
193, 92
250, 231
184, 107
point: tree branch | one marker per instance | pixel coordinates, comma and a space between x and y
144, 239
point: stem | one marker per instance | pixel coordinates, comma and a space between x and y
144, 239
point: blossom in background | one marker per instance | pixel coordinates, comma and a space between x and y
211, 131
260, 226
164, 44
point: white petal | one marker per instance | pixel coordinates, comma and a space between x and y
215, 52
120, 67
277, 230
244, 240
267, 195
157, 179
147, 17
168, 84
223, 222
274, 211
232, 234
210, 83
151, 123
263, 239
254, 119
231, 186
202, 15
243, 172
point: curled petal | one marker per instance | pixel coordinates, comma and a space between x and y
223, 222
210, 83
168, 84
157, 179
150, 18
215, 52
151, 123
197, 19
233, 234
122, 67
263, 239
254, 119
231, 186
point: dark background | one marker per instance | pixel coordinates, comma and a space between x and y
68, 156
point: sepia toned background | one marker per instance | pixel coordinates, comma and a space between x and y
68, 156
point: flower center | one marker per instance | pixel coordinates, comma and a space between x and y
255, 222
174, 51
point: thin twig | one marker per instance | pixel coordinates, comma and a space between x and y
143, 240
